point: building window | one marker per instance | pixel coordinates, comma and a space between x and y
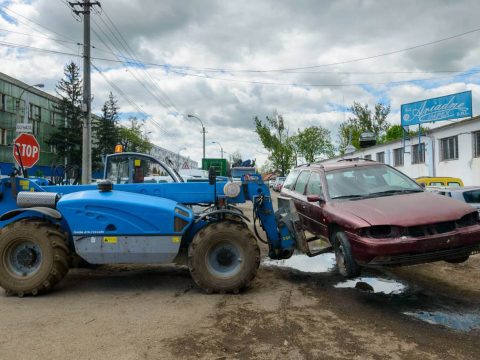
449, 148
398, 157
381, 157
36, 127
2, 102
418, 153
54, 118
3, 136
35, 112
476, 144
368, 157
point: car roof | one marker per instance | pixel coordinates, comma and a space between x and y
341, 164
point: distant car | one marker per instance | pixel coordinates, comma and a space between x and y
279, 183
374, 215
271, 182
439, 181
467, 194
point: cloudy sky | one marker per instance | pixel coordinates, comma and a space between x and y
228, 61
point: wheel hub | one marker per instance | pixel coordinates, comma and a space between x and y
225, 257
224, 260
24, 258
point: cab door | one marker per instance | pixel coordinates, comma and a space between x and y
314, 211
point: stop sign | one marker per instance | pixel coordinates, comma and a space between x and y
26, 150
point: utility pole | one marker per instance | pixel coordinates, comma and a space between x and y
87, 97
203, 131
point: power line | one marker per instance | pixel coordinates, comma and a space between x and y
38, 24
129, 100
133, 73
123, 43
207, 77
41, 37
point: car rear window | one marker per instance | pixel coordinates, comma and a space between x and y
290, 180
472, 196
454, 184
301, 182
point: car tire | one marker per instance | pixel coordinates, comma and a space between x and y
346, 264
458, 260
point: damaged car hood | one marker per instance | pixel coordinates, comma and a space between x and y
404, 209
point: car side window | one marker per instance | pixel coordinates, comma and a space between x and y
302, 182
314, 186
290, 180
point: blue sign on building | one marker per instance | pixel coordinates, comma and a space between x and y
442, 108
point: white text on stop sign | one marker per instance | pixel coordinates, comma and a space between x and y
26, 150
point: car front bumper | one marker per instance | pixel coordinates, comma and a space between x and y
416, 250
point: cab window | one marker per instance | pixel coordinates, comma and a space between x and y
290, 180
128, 169
302, 182
314, 186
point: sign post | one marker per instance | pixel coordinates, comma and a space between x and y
26, 150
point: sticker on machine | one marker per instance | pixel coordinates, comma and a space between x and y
110, 239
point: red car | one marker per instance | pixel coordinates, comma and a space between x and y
374, 215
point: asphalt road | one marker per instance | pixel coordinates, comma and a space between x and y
155, 312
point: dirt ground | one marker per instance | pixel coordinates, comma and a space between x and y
156, 312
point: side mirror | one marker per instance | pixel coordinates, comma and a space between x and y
315, 198
422, 185
212, 176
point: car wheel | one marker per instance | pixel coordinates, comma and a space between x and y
458, 260
346, 264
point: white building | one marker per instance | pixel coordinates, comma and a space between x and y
450, 150
178, 160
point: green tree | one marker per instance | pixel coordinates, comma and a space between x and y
68, 137
364, 120
274, 138
313, 142
105, 130
132, 138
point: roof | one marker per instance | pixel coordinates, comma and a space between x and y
399, 141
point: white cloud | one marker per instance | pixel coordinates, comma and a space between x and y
268, 34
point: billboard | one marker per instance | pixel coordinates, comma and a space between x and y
447, 107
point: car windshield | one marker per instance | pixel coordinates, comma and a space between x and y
368, 181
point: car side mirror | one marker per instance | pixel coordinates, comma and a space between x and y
212, 176
315, 198
423, 185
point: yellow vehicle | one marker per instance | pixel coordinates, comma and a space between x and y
439, 181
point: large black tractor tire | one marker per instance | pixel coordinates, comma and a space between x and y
33, 257
346, 264
223, 257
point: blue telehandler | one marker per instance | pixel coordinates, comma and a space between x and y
142, 212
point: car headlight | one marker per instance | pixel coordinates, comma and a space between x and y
382, 232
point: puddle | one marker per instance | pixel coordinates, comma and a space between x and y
373, 284
456, 321
317, 264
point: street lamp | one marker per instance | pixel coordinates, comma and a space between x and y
221, 148
203, 131
25, 115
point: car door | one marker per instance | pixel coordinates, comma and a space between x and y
299, 197
314, 211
